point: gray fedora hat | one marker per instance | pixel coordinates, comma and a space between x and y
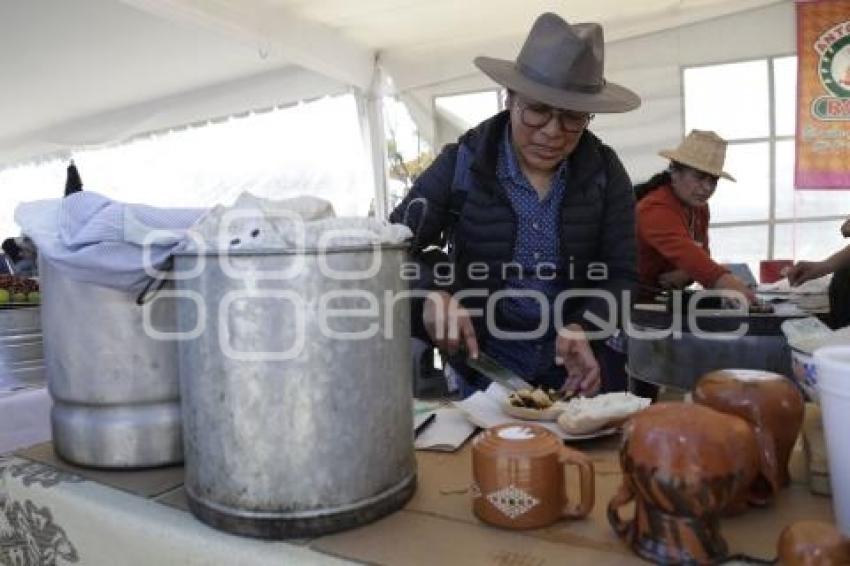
562, 65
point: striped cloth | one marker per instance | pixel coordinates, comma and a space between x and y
94, 239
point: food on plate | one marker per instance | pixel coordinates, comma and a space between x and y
584, 415
533, 399
533, 405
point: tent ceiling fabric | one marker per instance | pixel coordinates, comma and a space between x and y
422, 65
276, 30
95, 71
91, 72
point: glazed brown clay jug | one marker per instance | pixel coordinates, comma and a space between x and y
682, 465
774, 408
519, 480
812, 543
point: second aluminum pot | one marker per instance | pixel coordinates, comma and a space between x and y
114, 386
295, 376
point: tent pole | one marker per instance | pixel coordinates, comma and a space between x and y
370, 110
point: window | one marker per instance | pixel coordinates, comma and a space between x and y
407, 153
468, 110
710, 93
752, 104
744, 244
749, 198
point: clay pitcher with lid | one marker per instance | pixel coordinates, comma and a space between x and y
519, 477
682, 465
774, 407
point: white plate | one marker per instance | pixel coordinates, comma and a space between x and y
484, 409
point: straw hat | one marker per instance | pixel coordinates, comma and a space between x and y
562, 65
703, 150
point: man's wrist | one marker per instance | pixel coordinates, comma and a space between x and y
574, 330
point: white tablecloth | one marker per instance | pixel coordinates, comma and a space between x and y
49, 516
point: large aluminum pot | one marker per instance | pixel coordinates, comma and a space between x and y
679, 359
289, 430
115, 388
680, 362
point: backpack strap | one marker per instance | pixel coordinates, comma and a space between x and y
462, 181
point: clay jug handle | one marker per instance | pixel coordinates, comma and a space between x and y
623, 496
586, 482
768, 466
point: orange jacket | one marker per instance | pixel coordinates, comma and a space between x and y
673, 236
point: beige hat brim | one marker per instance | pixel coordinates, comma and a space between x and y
611, 98
672, 155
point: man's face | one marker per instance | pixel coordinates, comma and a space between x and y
693, 187
544, 136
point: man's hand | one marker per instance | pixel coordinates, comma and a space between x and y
803, 271
845, 228
572, 351
448, 324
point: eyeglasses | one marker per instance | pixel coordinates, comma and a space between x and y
537, 115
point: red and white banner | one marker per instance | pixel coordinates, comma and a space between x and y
823, 94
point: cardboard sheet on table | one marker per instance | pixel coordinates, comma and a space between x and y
412, 538
176, 498
145, 483
443, 491
756, 532
24, 418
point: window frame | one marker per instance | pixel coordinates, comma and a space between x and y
772, 139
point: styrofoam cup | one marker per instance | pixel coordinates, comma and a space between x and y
833, 368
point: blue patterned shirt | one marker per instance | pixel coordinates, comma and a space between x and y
536, 254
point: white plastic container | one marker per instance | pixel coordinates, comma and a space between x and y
833, 369
804, 371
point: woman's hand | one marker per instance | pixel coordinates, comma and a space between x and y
573, 351
676, 279
448, 324
729, 282
803, 271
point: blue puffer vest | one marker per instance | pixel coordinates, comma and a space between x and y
468, 209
